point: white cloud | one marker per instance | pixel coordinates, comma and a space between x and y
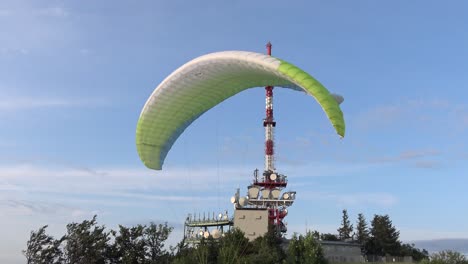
34, 195
103, 185
354, 199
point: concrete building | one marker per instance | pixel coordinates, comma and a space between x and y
252, 221
337, 251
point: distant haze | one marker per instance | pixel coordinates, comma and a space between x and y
458, 244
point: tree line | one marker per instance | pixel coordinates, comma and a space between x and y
90, 243
381, 238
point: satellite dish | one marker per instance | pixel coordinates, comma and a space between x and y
285, 196
220, 216
253, 192
273, 177
243, 201
206, 234
275, 193
216, 234
233, 199
200, 232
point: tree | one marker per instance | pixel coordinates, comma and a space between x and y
154, 237
89, 243
362, 232
415, 253
384, 238
266, 249
129, 245
42, 248
446, 257
233, 247
344, 232
184, 253
86, 243
305, 249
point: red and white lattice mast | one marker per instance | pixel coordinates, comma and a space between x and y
265, 193
269, 124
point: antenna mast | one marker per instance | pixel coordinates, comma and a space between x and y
269, 124
265, 204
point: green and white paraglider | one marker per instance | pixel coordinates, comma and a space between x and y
208, 80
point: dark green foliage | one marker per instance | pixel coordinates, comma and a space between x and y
129, 245
233, 247
184, 253
266, 249
416, 253
154, 237
42, 248
329, 237
86, 243
346, 228
384, 237
89, 243
205, 252
305, 249
362, 232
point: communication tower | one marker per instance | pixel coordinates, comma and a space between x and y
265, 203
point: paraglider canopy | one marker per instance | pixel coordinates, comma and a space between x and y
208, 80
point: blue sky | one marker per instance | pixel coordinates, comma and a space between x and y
74, 77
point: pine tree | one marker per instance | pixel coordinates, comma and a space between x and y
362, 232
344, 232
384, 237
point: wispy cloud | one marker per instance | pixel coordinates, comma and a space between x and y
427, 164
30, 103
52, 12
423, 158
354, 199
420, 111
178, 185
26, 207
13, 51
29, 28
407, 155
